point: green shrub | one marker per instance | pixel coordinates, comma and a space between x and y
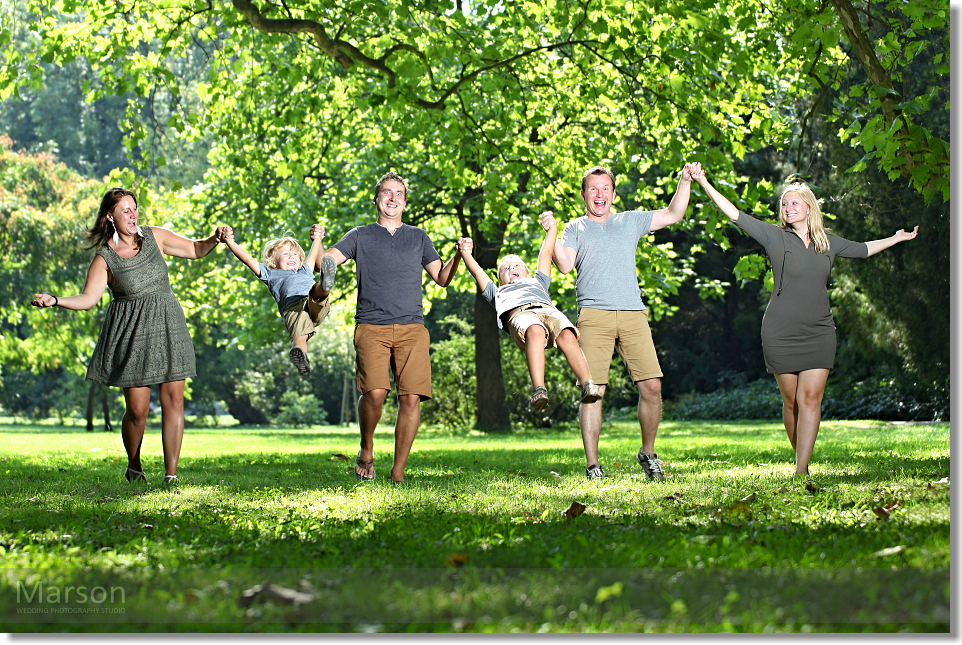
299, 410
885, 400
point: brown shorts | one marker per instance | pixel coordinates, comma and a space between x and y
402, 349
303, 316
603, 332
552, 320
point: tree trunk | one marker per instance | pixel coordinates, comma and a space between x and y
106, 404
489, 395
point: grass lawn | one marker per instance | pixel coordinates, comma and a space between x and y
269, 531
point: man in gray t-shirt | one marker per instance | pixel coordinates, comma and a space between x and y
389, 332
601, 245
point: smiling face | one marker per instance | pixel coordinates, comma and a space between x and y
124, 216
795, 210
598, 193
390, 200
512, 268
286, 258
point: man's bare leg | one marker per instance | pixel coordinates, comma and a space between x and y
406, 428
369, 408
589, 415
649, 411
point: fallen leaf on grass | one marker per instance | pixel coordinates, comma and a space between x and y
576, 509
673, 497
892, 550
260, 593
739, 508
338, 455
782, 490
617, 464
748, 499
457, 560
944, 480
881, 513
555, 474
812, 488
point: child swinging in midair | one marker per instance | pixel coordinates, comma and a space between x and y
289, 275
525, 311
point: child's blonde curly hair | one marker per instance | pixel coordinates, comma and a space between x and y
267, 257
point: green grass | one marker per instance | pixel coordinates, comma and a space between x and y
477, 539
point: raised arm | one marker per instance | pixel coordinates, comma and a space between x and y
550, 242
725, 206
563, 256
678, 205
465, 248
239, 251
900, 236
444, 273
171, 243
316, 254
93, 290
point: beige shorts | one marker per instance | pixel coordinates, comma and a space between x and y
603, 332
401, 349
549, 318
303, 316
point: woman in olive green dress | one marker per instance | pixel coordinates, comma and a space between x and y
144, 340
798, 330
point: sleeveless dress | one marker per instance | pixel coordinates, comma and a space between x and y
144, 340
798, 330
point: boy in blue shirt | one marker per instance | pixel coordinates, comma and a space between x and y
289, 275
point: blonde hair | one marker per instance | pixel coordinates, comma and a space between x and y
597, 170
267, 257
816, 227
510, 257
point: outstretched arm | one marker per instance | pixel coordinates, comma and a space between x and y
171, 243
465, 248
93, 290
316, 254
239, 251
725, 206
679, 202
900, 236
549, 244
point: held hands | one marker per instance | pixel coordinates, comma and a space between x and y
225, 233
43, 300
690, 170
317, 232
548, 220
698, 173
465, 246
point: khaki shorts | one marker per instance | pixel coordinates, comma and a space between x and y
303, 316
550, 319
402, 349
603, 332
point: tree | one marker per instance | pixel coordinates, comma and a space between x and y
493, 109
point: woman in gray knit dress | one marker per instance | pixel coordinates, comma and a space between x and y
798, 330
144, 340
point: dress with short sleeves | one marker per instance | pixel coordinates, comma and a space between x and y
144, 340
798, 330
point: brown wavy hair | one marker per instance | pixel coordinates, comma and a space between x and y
103, 229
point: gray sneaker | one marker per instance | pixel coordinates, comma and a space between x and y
595, 472
651, 464
299, 358
328, 269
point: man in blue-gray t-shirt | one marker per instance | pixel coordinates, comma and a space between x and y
601, 245
389, 332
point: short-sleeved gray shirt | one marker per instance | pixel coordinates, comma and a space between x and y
605, 259
524, 291
389, 272
287, 285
